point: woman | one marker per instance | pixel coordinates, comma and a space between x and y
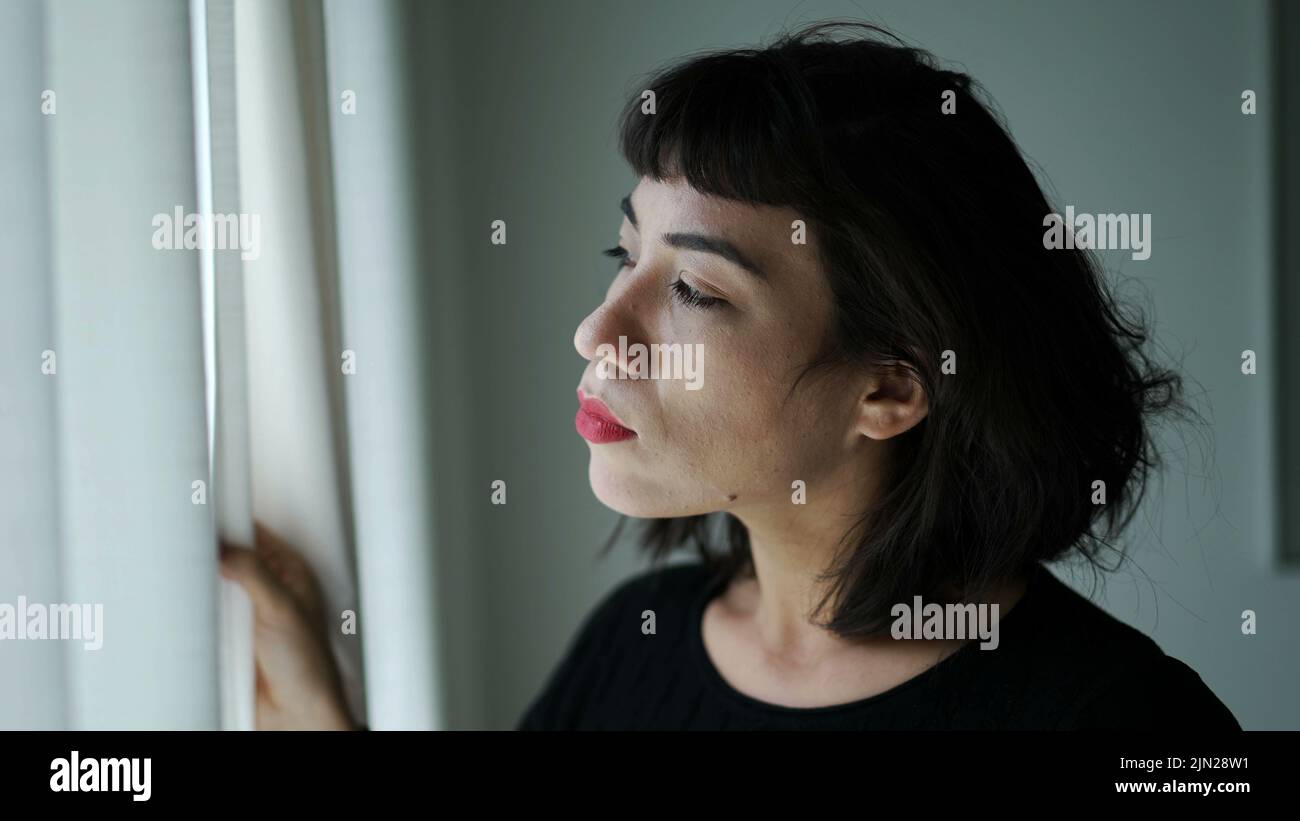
904, 401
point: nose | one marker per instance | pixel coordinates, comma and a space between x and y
620, 315
593, 330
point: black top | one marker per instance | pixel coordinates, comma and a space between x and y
1061, 663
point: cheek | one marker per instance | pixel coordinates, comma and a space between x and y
738, 425
804, 427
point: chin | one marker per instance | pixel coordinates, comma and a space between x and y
620, 488
621, 491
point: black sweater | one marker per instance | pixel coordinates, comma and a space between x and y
1061, 663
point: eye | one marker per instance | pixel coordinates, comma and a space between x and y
619, 253
687, 295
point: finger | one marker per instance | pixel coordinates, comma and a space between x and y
289, 565
291, 569
268, 540
278, 553
280, 557
243, 566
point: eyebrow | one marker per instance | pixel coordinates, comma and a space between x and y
700, 242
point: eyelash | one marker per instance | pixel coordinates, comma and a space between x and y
682, 292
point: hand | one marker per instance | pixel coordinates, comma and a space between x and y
298, 684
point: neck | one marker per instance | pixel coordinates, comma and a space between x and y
791, 545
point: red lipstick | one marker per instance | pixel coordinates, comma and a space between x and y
597, 423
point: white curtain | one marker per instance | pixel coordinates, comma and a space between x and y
114, 434
175, 367
29, 504
373, 164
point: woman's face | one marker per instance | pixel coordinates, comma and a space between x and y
753, 305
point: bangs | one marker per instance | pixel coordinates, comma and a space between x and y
732, 125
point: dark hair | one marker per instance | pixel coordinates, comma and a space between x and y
930, 227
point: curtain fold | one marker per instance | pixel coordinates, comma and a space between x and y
131, 427
217, 161
154, 397
298, 477
29, 509
388, 415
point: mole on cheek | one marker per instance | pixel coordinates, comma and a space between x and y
731, 497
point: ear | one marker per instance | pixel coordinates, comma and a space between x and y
892, 402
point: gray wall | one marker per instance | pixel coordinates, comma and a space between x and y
1125, 107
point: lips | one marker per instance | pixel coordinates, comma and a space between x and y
597, 423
